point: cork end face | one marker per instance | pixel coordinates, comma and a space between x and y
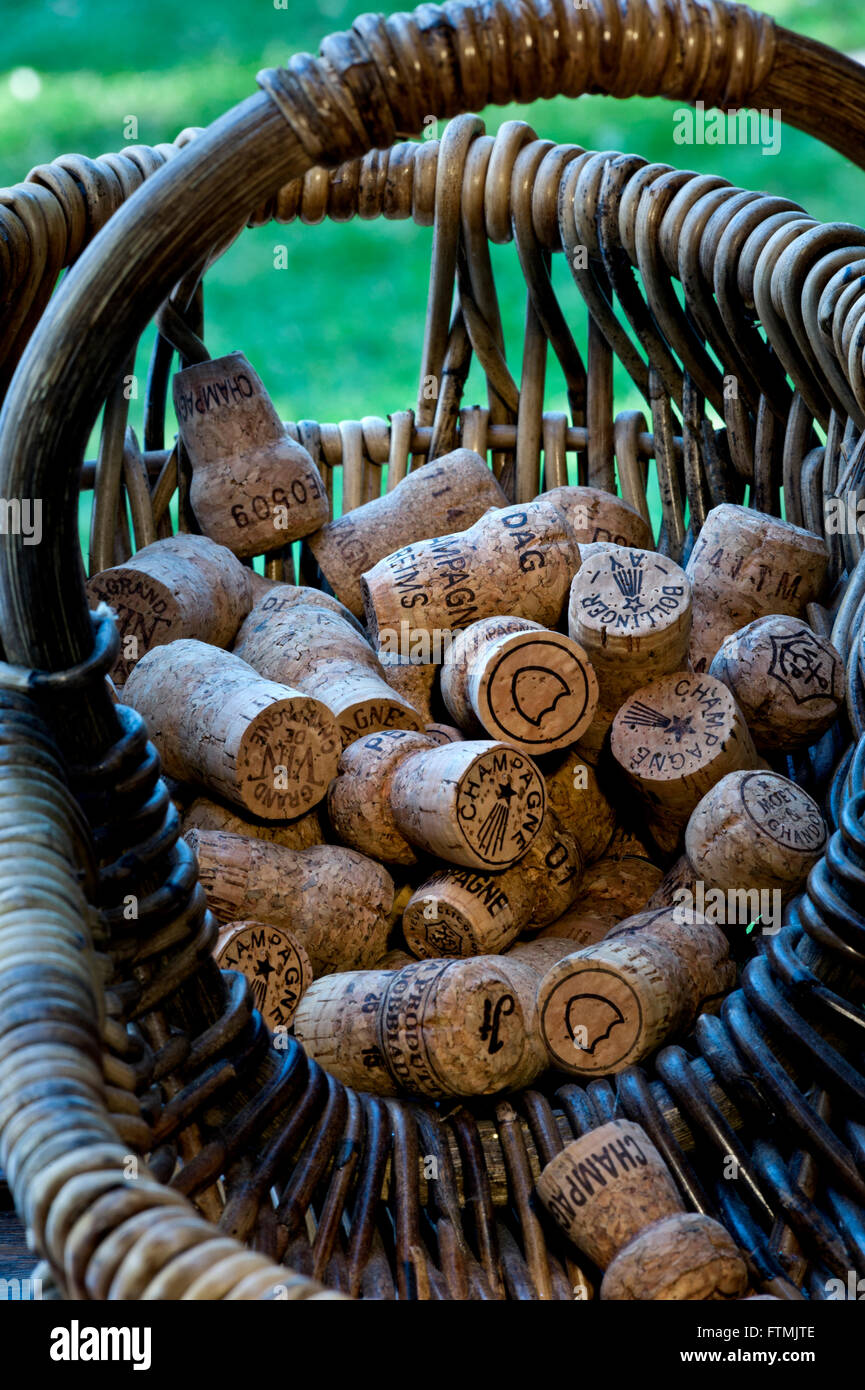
500, 802
536, 691
287, 757
274, 963
147, 612
687, 1257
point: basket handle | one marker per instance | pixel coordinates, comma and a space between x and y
368, 86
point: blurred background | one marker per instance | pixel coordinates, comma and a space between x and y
336, 334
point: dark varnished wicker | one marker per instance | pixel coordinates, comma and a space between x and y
175, 1063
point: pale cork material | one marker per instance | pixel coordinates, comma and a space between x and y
183, 586
630, 610
676, 738
316, 650
447, 495
518, 560
595, 515
744, 565
614, 1196
619, 884
476, 803
274, 962
534, 688
755, 829
461, 912
214, 720
253, 488
436, 1028
359, 798
582, 808
335, 901
786, 679
613, 1003
206, 814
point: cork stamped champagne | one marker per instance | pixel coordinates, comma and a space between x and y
675, 739
446, 495
274, 963
463, 912
615, 1198
528, 685
476, 803
263, 746
316, 650
517, 560
253, 488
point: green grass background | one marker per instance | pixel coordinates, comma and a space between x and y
337, 334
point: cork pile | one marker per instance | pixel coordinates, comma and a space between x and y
488, 803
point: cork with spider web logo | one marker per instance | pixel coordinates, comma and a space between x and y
676, 738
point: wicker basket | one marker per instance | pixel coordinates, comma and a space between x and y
120, 1039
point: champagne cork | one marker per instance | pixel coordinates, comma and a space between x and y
414, 680
444, 733
253, 488
574, 794
183, 586
675, 739
317, 651
394, 959
333, 900
460, 912
465, 912
534, 688
619, 884
337, 1024
525, 964
630, 610
787, 681
205, 814
615, 1198
299, 596
446, 495
595, 515
359, 799
744, 565
755, 829
273, 961
517, 560
476, 803
607, 1006
441, 1028
213, 719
